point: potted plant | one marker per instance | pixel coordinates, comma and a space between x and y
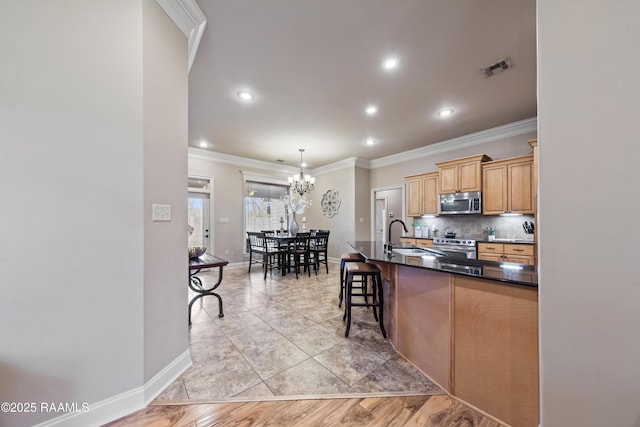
491, 233
417, 229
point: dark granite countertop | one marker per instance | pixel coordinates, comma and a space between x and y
482, 239
411, 256
498, 240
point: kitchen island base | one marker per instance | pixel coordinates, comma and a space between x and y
476, 338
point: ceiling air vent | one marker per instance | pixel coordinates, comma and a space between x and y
496, 68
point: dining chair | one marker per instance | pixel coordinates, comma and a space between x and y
270, 253
319, 247
298, 253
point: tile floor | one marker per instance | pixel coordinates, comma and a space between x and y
285, 337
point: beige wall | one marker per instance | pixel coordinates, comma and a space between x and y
588, 68
165, 90
342, 225
80, 158
363, 205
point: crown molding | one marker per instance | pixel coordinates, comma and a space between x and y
493, 134
190, 20
197, 153
260, 177
500, 132
350, 162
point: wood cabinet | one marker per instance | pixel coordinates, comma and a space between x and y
495, 341
461, 175
477, 338
507, 252
422, 194
507, 186
425, 243
534, 144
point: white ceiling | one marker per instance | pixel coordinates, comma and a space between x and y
315, 64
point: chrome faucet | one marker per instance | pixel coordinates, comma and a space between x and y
389, 234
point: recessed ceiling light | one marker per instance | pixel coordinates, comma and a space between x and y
369, 141
390, 63
203, 144
446, 112
245, 95
371, 110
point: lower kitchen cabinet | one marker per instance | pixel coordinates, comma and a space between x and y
507, 252
409, 240
424, 243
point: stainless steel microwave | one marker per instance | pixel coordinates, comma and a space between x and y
460, 203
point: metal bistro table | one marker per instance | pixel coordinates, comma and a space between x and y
197, 264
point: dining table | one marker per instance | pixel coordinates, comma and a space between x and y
282, 240
196, 265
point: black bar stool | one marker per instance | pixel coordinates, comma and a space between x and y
362, 271
345, 258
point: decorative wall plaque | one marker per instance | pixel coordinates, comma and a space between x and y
330, 203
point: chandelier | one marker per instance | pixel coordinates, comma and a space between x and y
301, 183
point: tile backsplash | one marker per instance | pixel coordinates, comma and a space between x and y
475, 226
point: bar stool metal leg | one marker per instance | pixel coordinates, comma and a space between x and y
378, 279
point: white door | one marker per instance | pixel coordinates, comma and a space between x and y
198, 213
381, 219
198, 219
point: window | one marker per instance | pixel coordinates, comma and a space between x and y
263, 206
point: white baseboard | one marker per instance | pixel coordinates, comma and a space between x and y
111, 409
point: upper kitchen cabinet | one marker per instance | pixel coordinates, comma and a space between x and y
507, 186
534, 144
422, 194
461, 175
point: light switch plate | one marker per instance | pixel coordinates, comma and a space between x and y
160, 212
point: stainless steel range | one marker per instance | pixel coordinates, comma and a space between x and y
456, 247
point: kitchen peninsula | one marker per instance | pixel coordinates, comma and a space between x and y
469, 325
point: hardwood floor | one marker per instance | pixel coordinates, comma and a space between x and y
420, 410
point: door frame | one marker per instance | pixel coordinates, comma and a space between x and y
384, 220
211, 245
400, 187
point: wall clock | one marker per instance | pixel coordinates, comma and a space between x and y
330, 203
